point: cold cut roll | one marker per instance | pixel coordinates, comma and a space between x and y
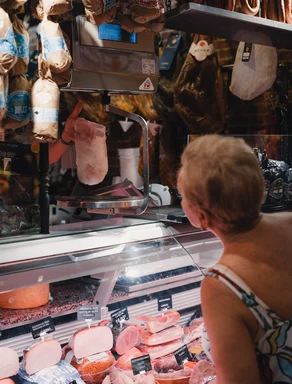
9, 363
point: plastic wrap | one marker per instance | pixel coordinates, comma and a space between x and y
8, 48
22, 43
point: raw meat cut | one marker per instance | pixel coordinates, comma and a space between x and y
164, 364
89, 341
92, 369
161, 350
124, 362
202, 370
9, 364
26, 298
42, 355
91, 152
166, 320
193, 332
164, 336
125, 338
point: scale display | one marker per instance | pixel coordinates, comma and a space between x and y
113, 32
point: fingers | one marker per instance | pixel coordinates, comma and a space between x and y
77, 110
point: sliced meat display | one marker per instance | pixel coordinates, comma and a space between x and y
9, 364
161, 350
202, 370
42, 355
89, 341
193, 332
92, 369
164, 336
125, 337
166, 320
124, 362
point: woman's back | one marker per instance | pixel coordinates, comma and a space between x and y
263, 259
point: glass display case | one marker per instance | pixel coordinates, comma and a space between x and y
134, 267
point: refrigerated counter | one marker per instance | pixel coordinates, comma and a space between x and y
134, 266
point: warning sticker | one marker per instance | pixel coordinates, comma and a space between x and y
146, 85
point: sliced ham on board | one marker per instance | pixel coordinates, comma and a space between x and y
9, 363
161, 350
202, 370
165, 336
124, 362
125, 337
41, 355
166, 320
89, 341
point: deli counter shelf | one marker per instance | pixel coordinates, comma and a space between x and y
211, 21
133, 267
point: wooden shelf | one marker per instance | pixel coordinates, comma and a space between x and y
196, 18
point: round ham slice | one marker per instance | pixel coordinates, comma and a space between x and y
42, 355
124, 362
89, 341
7, 381
9, 363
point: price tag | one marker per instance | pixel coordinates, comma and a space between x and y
90, 312
120, 316
142, 364
182, 355
43, 326
164, 303
73, 382
246, 52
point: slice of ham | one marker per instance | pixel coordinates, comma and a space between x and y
161, 350
91, 151
89, 341
165, 336
193, 332
42, 355
124, 362
9, 363
7, 381
166, 320
202, 370
125, 337
171, 374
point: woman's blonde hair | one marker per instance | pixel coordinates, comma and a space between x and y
222, 176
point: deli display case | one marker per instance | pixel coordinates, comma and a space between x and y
146, 268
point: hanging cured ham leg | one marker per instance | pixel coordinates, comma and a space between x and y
288, 11
250, 7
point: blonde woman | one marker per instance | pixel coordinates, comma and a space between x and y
247, 296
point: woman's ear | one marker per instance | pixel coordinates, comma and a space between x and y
204, 220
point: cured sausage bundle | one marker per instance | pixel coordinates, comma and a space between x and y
56, 7
22, 44
8, 48
45, 96
54, 48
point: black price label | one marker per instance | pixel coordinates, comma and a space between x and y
120, 316
182, 355
164, 303
89, 312
73, 382
246, 52
43, 326
141, 365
